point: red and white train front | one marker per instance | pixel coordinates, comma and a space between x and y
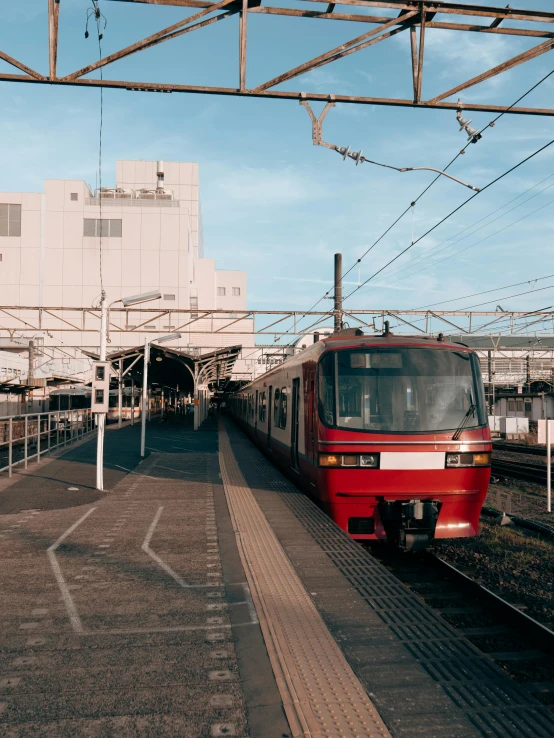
404, 444
388, 434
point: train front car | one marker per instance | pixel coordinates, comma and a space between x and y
404, 445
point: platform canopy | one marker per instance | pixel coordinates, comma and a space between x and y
175, 368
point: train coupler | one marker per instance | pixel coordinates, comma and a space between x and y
410, 524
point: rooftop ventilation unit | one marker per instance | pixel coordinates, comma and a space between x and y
114, 193
158, 194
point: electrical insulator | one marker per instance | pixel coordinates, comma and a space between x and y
472, 134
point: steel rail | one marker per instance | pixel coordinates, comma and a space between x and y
525, 523
518, 448
526, 472
539, 633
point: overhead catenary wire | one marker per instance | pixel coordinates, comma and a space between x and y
460, 153
451, 213
472, 245
422, 193
455, 239
101, 23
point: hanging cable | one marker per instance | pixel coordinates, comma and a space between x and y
460, 153
452, 242
101, 23
452, 212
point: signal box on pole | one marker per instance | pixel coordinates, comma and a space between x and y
100, 386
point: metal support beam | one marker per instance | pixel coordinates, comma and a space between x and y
173, 31
513, 62
419, 76
243, 31
341, 51
53, 22
19, 65
278, 95
413, 46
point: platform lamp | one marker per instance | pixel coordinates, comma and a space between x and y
104, 329
147, 343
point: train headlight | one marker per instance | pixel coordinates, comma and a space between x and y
330, 460
467, 460
370, 461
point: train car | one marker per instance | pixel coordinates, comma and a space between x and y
388, 434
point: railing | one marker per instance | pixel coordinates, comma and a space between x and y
25, 437
132, 203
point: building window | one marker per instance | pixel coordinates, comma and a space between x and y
236, 291
221, 291
0, 257
94, 227
131, 327
169, 297
169, 327
10, 219
149, 327
193, 306
74, 196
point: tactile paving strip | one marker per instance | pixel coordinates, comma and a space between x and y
467, 676
321, 694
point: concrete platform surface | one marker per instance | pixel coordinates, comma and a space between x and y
178, 603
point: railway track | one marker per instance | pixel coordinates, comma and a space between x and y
519, 448
520, 645
519, 470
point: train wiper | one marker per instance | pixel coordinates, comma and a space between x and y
470, 411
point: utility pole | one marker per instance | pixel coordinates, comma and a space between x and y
101, 416
144, 398
338, 292
31, 372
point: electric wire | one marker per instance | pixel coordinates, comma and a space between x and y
426, 189
452, 212
451, 242
476, 243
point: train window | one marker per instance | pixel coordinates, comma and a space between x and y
283, 412
276, 407
327, 390
261, 407
401, 390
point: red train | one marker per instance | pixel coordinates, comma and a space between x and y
388, 434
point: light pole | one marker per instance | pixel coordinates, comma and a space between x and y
104, 328
147, 342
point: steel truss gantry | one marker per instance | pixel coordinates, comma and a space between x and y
415, 17
283, 325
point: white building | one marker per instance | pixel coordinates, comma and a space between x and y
144, 234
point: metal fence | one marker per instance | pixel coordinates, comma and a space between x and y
25, 437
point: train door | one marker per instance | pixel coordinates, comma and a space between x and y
269, 414
310, 425
295, 421
256, 414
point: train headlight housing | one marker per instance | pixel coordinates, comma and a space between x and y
462, 460
367, 461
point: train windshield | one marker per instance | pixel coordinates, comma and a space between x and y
396, 390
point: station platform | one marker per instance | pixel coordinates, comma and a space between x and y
203, 595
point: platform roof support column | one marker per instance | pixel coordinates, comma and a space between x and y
120, 394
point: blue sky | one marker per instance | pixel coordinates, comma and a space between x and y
273, 204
